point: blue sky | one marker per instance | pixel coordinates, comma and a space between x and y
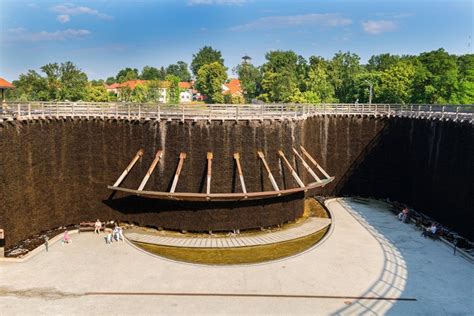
102, 37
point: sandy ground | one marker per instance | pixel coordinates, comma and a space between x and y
367, 253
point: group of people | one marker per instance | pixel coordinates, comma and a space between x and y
431, 231
115, 234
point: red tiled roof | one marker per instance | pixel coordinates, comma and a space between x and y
185, 85
5, 84
132, 83
234, 87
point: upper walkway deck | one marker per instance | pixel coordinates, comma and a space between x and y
11, 111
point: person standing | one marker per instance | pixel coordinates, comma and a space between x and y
97, 226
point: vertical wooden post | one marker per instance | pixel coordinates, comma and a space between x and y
308, 168
129, 167
18, 111
159, 112
209, 171
29, 110
150, 170
293, 172
182, 156
182, 110
270, 176
128, 107
241, 175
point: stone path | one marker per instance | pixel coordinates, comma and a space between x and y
308, 227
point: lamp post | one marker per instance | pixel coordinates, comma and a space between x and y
370, 90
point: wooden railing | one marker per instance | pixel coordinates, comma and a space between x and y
158, 111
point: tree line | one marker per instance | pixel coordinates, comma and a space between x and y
433, 77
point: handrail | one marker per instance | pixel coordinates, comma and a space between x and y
154, 111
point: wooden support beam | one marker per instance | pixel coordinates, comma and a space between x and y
270, 176
150, 170
293, 172
239, 170
182, 156
314, 162
308, 168
129, 167
209, 171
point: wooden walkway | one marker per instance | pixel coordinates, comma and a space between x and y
310, 226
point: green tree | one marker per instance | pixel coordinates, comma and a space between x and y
65, 81
110, 80
250, 80
173, 89
436, 79
96, 93
206, 55
155, 90
279, 76
150, 73
180, 70
465, 94
139, 94
382, 62
30, 86
318, 86
209, 81
127, 74
396, 83
343, 70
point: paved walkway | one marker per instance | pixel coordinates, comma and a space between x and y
365, 265
308, 227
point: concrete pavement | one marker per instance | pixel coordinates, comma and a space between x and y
367, 253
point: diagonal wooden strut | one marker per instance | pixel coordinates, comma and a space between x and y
270, 176
209, 170
239, 170
129, 167
308, 168
293, 172
314, 162
182, 156
158, 155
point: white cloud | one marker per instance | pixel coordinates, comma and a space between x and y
378, 27
63, 18
313, 19
21, 34
71, 9
218, 2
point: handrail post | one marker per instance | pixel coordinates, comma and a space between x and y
57, 110
128, 106
116, 110
42, 108
29, 110
182, 112
442, 112
237, 112
281, 111
457, 113
210, 112
19, 110
159, 111
139, 111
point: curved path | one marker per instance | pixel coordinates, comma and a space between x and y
308, 227
366, 264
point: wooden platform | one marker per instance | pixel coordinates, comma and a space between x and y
308, 227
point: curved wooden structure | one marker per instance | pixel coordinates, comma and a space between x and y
208, 196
